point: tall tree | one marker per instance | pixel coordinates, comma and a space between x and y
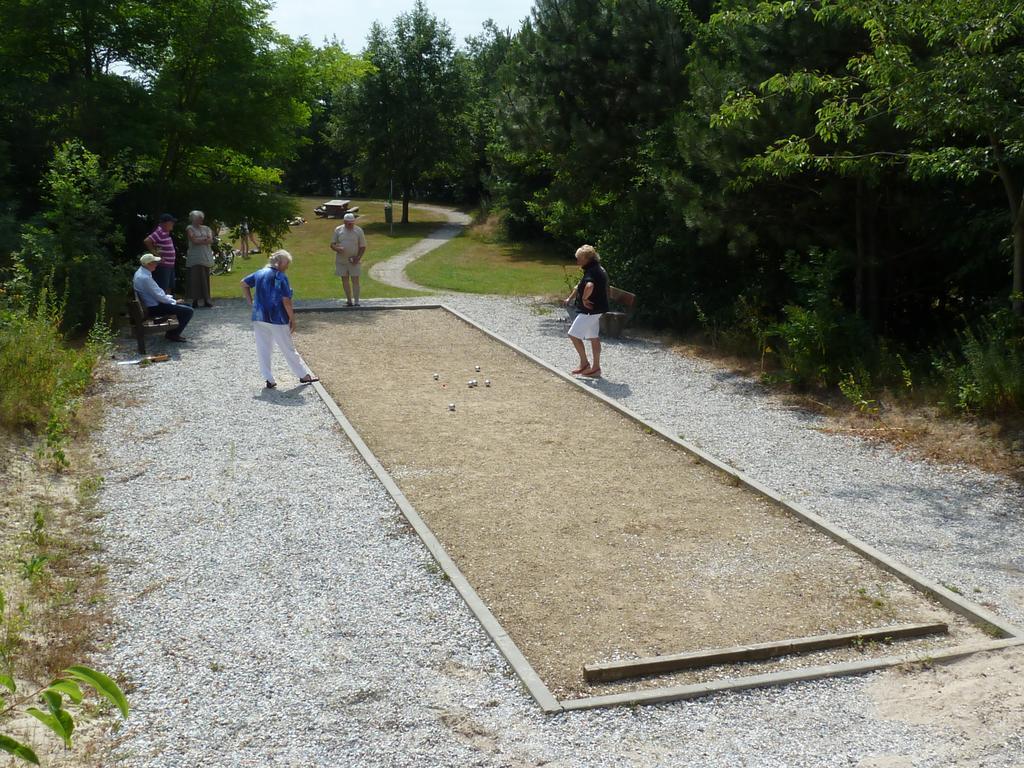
231, 101
203, 98
317, 169
948, 74
405, 119
592, 80
484, 59
58, 83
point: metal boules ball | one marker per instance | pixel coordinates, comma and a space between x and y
478, 369
487, 382
451, 406
437, 376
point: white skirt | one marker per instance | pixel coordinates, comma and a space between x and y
586, 326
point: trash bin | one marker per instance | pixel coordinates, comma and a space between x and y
387, 213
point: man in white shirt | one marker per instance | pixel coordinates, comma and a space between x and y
155, 301
349, 245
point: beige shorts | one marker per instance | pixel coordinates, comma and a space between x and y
344, 268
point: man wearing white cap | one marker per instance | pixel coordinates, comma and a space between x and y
155, 300
349, 245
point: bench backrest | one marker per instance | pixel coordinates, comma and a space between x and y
625, 298
135, 309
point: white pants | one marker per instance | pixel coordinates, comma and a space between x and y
267, 334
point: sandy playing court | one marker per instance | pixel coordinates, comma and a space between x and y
588, 537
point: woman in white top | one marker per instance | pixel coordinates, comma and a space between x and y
199, 258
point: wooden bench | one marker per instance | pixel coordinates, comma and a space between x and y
143, 325
612, 322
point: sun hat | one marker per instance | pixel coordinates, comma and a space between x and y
148, 258
350, 217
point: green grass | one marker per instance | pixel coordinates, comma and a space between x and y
467, 264
312, 272
470, 265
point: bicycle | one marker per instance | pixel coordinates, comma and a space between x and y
223, 258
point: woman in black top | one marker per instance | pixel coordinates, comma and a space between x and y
591, 300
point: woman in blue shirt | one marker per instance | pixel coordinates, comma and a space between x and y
273, 317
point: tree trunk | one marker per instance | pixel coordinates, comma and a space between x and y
1016, 206
871, 296
858, 278
1018, 265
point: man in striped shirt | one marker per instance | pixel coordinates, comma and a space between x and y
160, 244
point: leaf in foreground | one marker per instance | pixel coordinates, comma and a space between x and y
55, 724
104, 686
16, 748
69, 688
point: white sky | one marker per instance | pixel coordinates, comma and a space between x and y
350, 21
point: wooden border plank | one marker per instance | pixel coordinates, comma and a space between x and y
807, 674
604, 672
310, 309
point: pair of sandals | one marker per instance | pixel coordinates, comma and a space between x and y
307, 379
587, 370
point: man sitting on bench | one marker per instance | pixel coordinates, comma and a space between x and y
155, 301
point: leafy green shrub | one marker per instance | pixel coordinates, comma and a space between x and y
818, 340
41, 377
985, 375
856, 387
56, 717
70, 246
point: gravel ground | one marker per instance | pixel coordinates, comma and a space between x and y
272, 610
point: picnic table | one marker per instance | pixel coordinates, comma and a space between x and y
333, 208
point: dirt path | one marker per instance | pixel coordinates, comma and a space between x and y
392, 271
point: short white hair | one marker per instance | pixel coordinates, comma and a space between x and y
193, 215
279, 257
